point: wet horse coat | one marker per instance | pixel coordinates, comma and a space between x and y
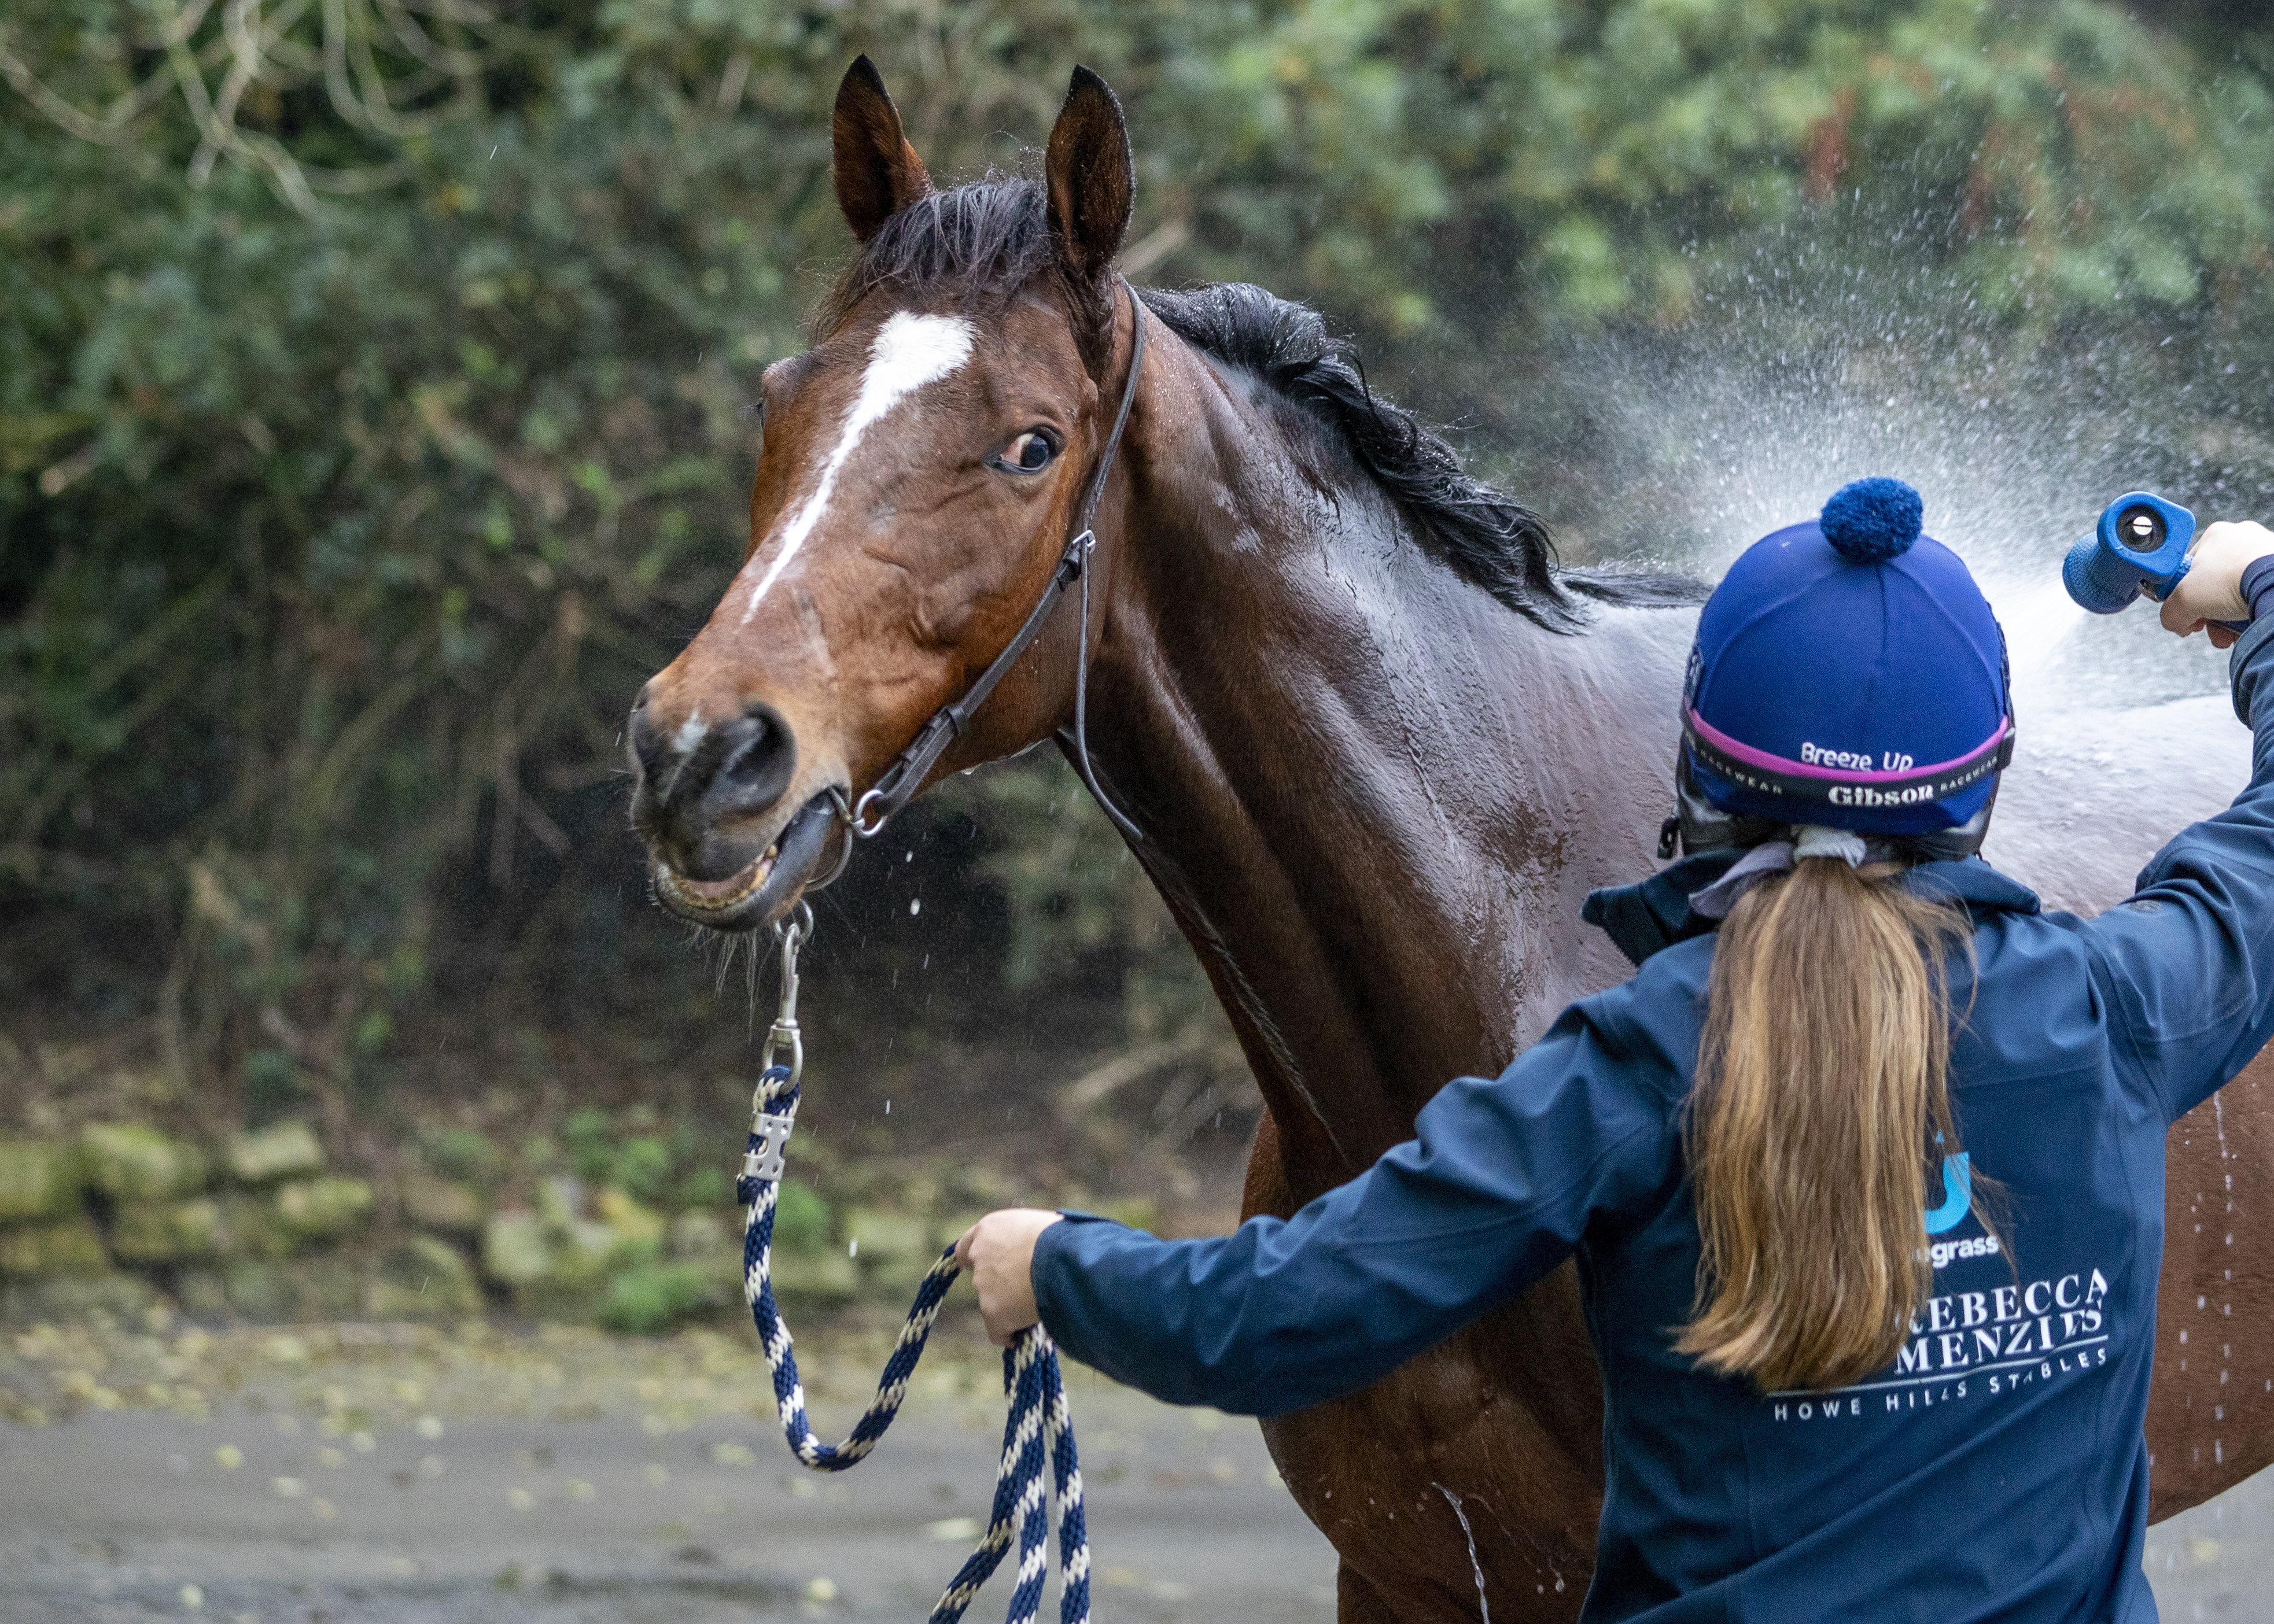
1379, 751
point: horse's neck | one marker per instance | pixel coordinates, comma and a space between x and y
1374, 797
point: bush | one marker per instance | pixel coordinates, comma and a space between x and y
337, 527
38, 1180
800, 1219
657, 1296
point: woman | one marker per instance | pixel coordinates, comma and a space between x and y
1864, 1168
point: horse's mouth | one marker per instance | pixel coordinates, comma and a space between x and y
765, 891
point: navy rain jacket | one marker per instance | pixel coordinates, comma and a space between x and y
1996, 1471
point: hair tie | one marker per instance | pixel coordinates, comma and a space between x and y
1763, 862
1772, 858
1815, 840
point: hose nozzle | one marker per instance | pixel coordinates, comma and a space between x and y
2139, 546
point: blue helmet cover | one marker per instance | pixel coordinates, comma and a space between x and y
1848, 672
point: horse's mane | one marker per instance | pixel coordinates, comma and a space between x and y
986, 241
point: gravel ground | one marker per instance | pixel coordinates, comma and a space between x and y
332, 1475
2213, 1562
391, 1474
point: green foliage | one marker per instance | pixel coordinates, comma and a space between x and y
644, 1168
368, 434
1067, 881
657, 1295
800, 1219
705, 1188
640, 1165
461, 1152
591, 1138
272, 1084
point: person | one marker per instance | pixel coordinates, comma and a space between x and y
1863, 1168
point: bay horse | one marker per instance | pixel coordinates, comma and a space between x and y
1374, 745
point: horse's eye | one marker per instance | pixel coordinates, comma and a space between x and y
1030, 453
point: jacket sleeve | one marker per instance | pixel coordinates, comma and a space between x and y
2188, 963
1499, 1184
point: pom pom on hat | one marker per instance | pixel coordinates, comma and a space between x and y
1872, 520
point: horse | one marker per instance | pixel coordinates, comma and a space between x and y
1369, 740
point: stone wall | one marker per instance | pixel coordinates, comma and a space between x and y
262, 1227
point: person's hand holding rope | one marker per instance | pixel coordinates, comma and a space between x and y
998, 1254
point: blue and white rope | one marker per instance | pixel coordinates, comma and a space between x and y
1037, 1430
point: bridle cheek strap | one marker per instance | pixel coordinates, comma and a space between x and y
899, 783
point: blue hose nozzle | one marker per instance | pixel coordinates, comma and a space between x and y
2139, 546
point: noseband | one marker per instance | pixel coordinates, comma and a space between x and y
899, 783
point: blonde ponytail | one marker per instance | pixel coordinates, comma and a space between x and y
1821, 1094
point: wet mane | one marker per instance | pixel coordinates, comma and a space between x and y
983, 244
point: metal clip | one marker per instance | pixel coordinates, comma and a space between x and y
772, 1134
792, 933
771, 1129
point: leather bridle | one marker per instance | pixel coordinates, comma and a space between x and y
899, 781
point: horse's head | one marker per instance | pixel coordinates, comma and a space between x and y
920, 467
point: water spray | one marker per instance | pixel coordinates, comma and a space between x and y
2139, 548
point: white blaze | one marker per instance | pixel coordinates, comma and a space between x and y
910, 351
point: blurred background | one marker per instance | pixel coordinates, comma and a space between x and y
374, 417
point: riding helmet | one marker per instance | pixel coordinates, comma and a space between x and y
1848, 673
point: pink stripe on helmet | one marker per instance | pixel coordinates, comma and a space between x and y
1768, 762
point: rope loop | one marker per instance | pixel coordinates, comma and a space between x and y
1038, 1430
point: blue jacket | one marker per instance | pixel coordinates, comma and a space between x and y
1997, 1471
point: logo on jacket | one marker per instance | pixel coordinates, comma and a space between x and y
1957, 1201
1957, 1194
1964, 1344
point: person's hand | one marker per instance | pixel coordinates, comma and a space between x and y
2211, 590
999, 1252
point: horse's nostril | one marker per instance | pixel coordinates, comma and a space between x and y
758, 756
695, 780
645, 741
749, 744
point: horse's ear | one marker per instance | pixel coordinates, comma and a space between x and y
879, 173
1090, 178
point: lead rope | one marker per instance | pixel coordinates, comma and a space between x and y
1038, 1425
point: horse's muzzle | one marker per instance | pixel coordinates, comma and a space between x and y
709, 804
765, 888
